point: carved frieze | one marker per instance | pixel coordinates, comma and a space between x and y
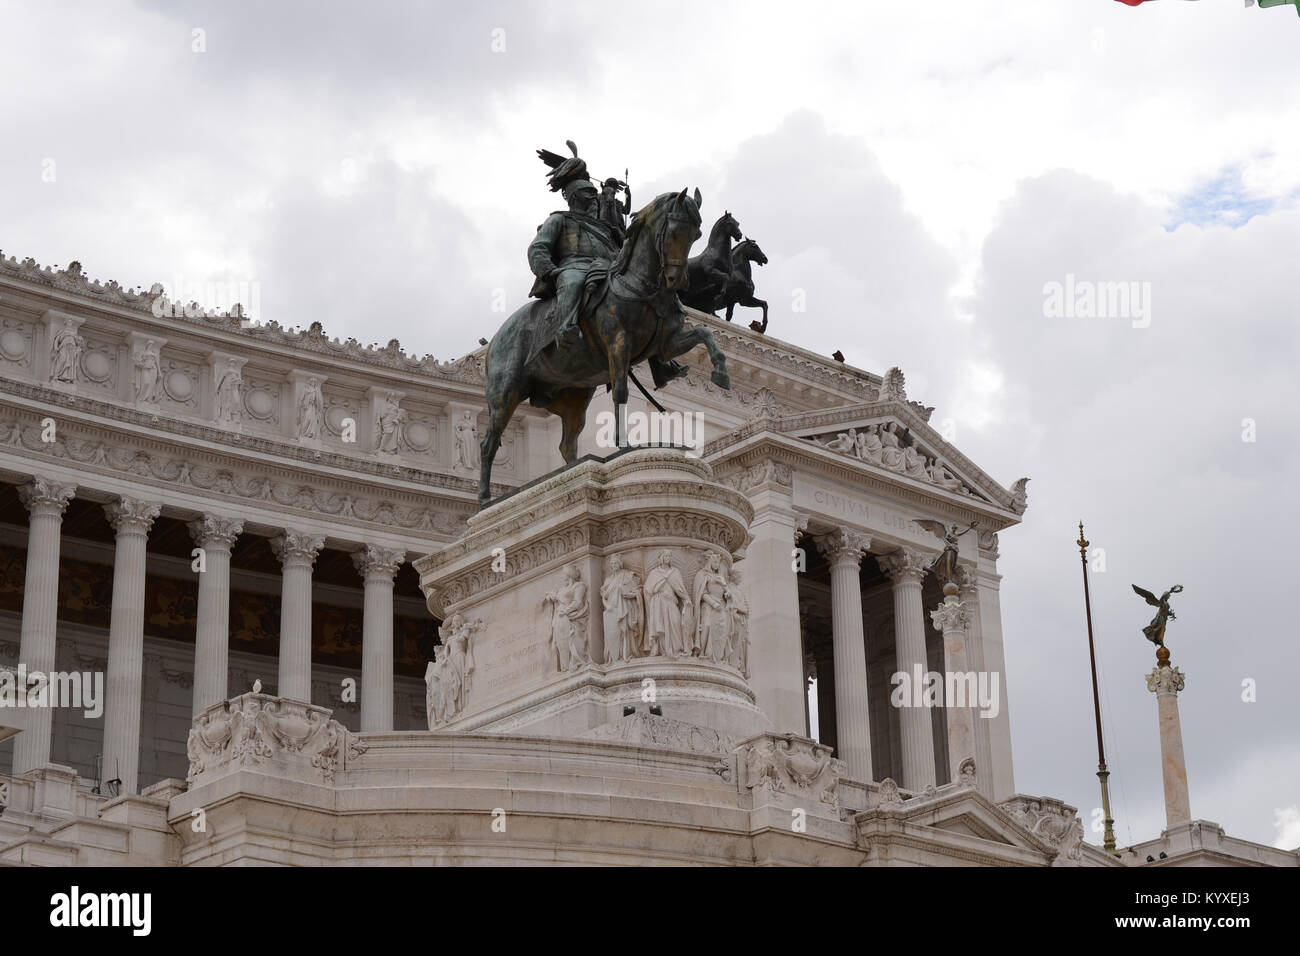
468, 369
143, 464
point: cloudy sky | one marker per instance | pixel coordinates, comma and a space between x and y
918, 173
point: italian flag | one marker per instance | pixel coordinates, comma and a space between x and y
1275, 3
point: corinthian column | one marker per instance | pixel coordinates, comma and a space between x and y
1165, 682
905, 569
214, 535
377, 566
297, 553
45, 499
952, 618
131, 519
844, 549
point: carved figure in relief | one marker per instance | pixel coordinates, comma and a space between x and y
624, 618
458, 657
892, 451
467, 442
230, 409
569, 610
869, 446
388, 418
65, 354
944, 478
434, 699
668, 609
311, 410
845, 442
713, 624
738, 612
914, 464
148, 377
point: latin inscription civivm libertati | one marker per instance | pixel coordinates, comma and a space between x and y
867, 514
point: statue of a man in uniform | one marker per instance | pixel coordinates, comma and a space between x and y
566, 246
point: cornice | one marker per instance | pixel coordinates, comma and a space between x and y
770, 352
72, 281
232, 485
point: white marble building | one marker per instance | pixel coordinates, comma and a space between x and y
140, 439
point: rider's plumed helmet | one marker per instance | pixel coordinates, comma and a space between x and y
577, 186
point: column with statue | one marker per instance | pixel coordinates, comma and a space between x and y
1165, 681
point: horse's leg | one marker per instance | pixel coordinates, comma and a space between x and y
571, 405
752, 303
613, 339
501, 405
684, 339
731, 307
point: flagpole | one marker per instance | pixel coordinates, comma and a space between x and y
1108, 837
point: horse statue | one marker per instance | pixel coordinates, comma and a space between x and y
708, 272
630, 314
740, 283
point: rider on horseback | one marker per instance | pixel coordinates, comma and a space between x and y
566, 246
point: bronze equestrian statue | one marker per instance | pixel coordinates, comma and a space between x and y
614, 307
740, 284
709, 271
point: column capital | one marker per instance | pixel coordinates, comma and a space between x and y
1165, 680
951, 615
843, 546
905, 566
131, 515
215, 530
373, 560
297, 547
45, 496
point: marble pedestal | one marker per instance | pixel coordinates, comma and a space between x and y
544, 633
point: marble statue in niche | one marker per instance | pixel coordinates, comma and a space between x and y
624, 617
148, 375
65, 354
466, 435
668, 609
230, 409
569, 608
311, 410
388, 419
